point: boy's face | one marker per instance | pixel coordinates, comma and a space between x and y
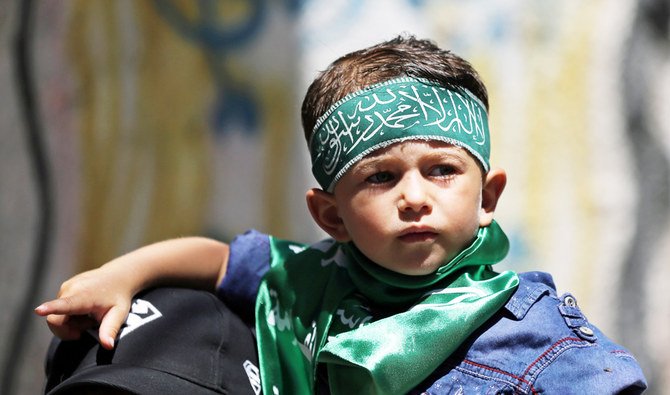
412, 206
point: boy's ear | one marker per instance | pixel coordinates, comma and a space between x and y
492, 188
323, 208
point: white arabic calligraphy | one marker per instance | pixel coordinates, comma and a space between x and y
399, 107
350, 321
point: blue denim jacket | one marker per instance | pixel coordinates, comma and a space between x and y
537, 343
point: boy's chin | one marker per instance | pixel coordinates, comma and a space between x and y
417, 269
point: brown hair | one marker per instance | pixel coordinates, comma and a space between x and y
403, 56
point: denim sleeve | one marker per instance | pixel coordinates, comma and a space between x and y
539, 343
593, 370
582, 359
248, 261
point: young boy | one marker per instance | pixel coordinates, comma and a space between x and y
402, 298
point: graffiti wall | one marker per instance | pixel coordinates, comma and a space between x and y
128, 122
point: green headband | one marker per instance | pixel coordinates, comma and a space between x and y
390, 112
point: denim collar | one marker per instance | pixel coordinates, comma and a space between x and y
532, 286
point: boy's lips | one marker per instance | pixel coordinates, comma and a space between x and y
418, 234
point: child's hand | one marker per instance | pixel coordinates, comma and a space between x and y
100, 296
103, 296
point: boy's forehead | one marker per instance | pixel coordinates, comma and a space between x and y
435, 147
429, 149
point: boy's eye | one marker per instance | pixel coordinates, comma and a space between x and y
442, 170
380, 178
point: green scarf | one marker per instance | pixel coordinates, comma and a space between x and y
314, 307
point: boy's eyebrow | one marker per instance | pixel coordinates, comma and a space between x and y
446, 152
455, 153
370, 163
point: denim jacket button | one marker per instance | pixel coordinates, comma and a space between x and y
570, 301
586, 330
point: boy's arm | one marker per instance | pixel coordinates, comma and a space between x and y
104, 295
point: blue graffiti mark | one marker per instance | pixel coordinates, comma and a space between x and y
338, 25
235, 106
519, 253
499, 27
235, 109
416, 3
206, 29
294, 7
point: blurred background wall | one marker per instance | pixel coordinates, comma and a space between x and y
131, 121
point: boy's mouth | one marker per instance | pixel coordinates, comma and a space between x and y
414, 235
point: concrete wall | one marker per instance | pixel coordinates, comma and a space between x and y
126, 122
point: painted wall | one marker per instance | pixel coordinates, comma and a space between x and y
127, 122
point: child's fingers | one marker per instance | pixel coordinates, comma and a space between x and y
110, 326
66, 305
58, 326
70, 327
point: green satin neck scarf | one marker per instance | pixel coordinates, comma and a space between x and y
321, 307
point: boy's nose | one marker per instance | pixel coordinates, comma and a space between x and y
413, 195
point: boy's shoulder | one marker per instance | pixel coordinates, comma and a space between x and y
539, 342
